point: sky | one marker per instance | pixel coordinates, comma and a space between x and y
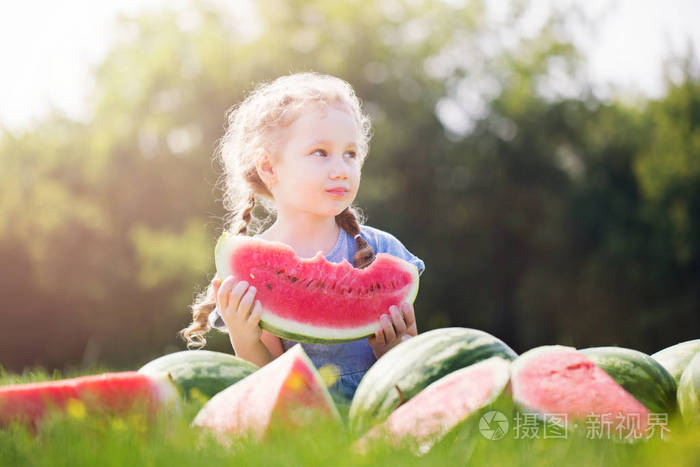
48, 48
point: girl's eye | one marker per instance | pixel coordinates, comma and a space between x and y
352, 154
319, 152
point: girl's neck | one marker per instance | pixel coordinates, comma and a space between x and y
305, 235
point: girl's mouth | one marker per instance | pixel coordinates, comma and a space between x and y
337, 191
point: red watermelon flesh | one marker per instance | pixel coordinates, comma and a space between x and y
438, 408
286, 390
314, 300
111, 392
560, 380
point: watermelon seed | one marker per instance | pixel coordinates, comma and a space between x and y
280, 271
269, 286
379, 286
252, 276
293, 279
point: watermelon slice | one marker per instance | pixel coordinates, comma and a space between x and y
314, 300
560, 381
441, 406
287, 390
109, 392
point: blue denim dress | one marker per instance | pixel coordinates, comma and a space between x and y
351, 359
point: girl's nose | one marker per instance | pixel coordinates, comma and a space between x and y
338, 171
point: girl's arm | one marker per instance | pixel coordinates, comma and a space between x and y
273, 343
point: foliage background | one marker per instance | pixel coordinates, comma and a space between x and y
545, 213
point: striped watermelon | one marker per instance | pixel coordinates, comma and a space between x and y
560, 380
677, 357
287, 391
639, 374
409, 367
444, 404
201, 370
110, 392
689, 392
314, 300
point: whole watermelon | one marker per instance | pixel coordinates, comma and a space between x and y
415, 363
677, 357
203, 370
689, 392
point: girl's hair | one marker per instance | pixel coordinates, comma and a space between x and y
253, 126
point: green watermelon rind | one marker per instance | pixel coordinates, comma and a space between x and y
413, 365
639, 374
207, 371
676, 357
689, 392
301, 332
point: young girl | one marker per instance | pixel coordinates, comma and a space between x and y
297, 145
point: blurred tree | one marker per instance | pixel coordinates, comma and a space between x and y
537, 209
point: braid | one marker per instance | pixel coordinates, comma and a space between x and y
202, 307
364, 254
246, 215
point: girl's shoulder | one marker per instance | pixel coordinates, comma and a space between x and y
384, 242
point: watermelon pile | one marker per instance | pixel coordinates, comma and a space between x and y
418, 394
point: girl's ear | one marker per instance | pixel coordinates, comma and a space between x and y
265, 168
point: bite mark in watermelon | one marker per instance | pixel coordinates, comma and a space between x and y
442, 405
560, 380
314, 300
287, 390
109, 392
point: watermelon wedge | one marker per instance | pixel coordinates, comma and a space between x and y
411, 366
314, 300
287, 390
109, 392
639, 374
441, 406
558, 380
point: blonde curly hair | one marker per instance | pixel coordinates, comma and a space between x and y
254, 124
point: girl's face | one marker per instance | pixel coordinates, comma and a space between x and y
317, 168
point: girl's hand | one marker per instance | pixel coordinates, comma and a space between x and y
235, 304
397, 326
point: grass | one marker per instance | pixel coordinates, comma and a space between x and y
77, 439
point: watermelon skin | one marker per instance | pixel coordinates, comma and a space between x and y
444, 404
206, 371
639, 374
110, 392
287, 390
677, 357
413, 365
556, 379
689, 392
313, 300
